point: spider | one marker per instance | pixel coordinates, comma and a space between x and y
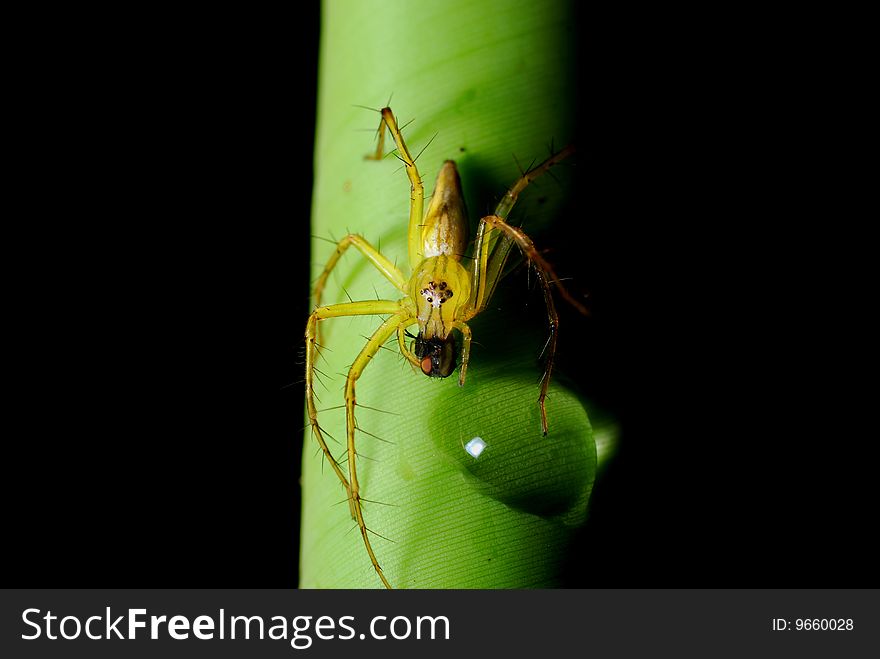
439, 296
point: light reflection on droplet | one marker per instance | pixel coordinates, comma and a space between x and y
475, 446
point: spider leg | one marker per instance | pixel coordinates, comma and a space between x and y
489, 254
465, 349
546, 275
373, 256
404, 349
371, 307
417, 189
504, 206
401, 318
381, 263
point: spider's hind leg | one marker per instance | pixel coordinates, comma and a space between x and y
417, 189
504, 206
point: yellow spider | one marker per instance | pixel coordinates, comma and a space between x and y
439, 296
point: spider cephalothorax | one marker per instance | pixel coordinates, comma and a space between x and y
439, 296
434, 347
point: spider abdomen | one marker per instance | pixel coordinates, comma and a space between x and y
445, 227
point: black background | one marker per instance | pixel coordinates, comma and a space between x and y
163, 200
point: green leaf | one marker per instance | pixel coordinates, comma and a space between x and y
492, 81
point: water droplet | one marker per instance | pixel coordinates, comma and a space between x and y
475, 446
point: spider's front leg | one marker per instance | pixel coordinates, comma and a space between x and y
391, 325
546, 275
371, 307
491, 248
